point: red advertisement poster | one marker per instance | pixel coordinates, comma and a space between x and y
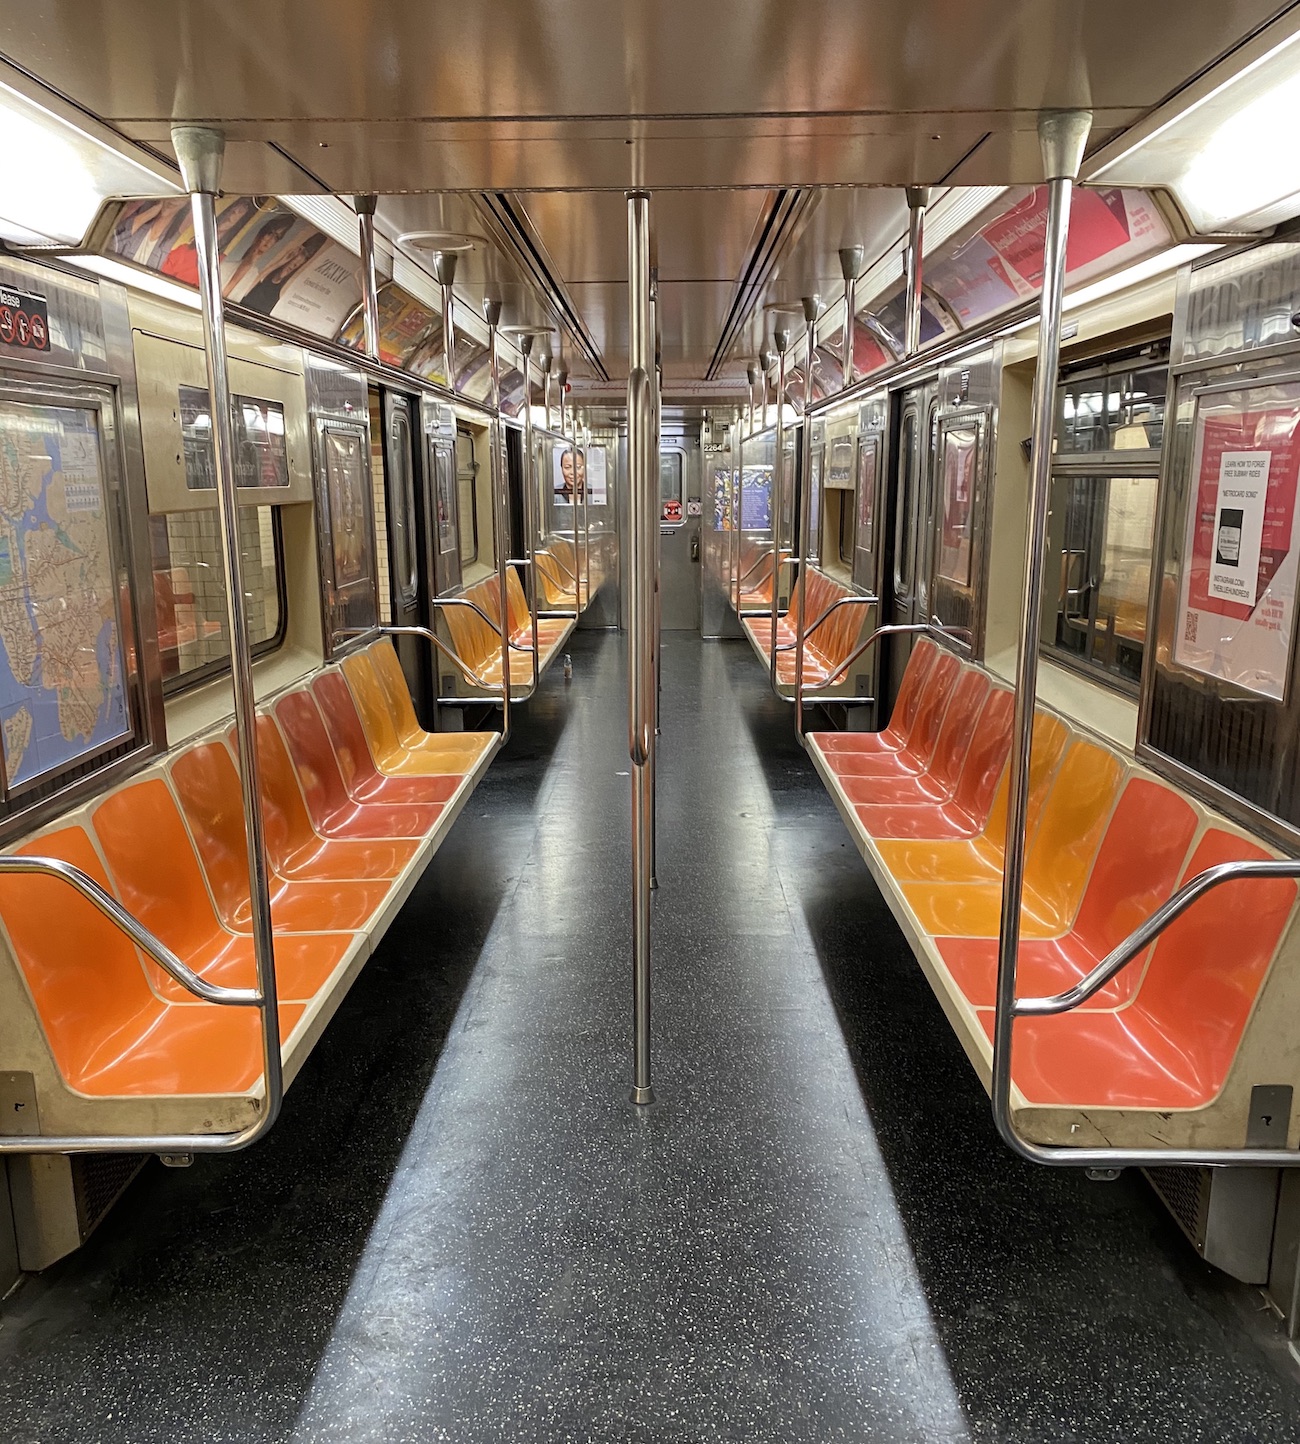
1003, 262
1237, 599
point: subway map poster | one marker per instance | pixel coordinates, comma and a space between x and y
62, 690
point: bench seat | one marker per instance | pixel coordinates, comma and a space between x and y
831, 640
114, 1044
477, 668
1169, 1050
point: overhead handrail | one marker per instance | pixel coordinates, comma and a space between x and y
126, 922
1143, 936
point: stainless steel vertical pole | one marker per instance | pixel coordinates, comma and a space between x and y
530, 499
764, 364
544, 361
643, 523
918, 197
811, 310
365, 208
751, 375
850, 265
500, 509
444, 270
1062, 136
781, 338
492, 315
200, 152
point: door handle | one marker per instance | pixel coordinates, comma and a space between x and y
695, 548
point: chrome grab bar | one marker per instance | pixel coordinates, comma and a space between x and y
428, 635
891, 629
134, 929
1142, 937
754, 566
473, 606
867, 600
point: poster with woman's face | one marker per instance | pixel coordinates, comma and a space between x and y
572, 471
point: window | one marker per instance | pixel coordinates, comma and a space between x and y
401, 502
467, 494
190, 590
1110, 423
845, 531
670, 485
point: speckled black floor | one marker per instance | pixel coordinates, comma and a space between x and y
461, 1231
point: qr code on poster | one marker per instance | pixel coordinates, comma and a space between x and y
1189, 626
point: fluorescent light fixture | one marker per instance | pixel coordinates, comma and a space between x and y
1146, 270
56, 175
1228, 154
140, 279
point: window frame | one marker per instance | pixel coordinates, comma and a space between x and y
181, 682
1106, 465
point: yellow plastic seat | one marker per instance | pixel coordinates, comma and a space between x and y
431, 753
980, 858
1060, 855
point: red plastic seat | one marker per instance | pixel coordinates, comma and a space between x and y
1136, 870
208, 787
910, 693
870, 759
967, 812
363, 780
294, 848
110, 1034
1173, 1045
333, 812
157, 875
938, 782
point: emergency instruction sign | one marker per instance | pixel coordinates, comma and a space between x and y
24, 320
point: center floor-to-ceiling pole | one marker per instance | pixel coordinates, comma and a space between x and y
200, 152
643, 526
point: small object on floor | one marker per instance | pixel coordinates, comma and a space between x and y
568, 668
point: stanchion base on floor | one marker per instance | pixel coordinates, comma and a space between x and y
643, 1095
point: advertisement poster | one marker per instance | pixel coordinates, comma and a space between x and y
1237, 598
960, 455
573, 469
756, 498
272, 261
1003, 262
403, 322
723, 519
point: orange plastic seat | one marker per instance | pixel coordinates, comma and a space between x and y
939, 781
109, 1033
361, 777
293, 846
333, 813
1173, 1045
894, 737
431, 754
158, 878
970, 859
1135, 872
967, 812
208, 787
1057, 861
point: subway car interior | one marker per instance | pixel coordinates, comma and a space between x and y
649, 721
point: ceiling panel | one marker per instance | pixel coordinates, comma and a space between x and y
390, 59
